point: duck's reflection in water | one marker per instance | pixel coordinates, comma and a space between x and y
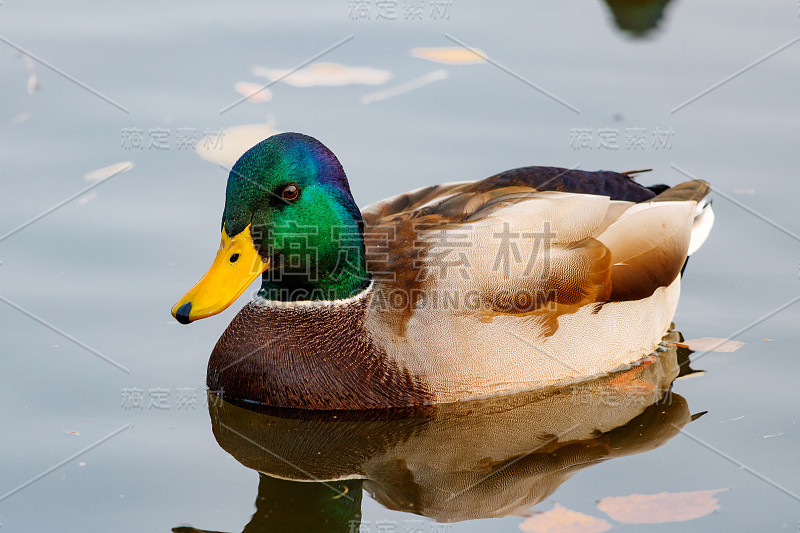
478, 459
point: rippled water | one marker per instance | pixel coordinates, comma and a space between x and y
105, 410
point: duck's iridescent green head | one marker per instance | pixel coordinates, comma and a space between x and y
289, 214
256, 192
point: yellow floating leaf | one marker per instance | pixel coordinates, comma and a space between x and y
22, 117
660, 508
253, 92
326, 74
226, 148
33, 80
454, 55
713, 344
107, 172
559, 519
33, 84
406, 87
88, 197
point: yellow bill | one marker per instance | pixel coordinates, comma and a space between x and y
236, 266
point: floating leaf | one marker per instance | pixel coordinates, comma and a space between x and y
713, 344
22, 117
88, 197
33, 83
454, 55
226, 148
326, 74
559, 519
33, 80
406, 87
660, 508
106, 172
253, 92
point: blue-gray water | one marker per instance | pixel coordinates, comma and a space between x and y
106, 268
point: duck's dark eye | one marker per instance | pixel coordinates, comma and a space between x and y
290, 192
234, 258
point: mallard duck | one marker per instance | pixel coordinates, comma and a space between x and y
532, 277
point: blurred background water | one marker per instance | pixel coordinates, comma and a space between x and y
105, 268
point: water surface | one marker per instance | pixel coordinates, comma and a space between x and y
104, 269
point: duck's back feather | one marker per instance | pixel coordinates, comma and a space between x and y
547, 255
615, 185
542, 237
